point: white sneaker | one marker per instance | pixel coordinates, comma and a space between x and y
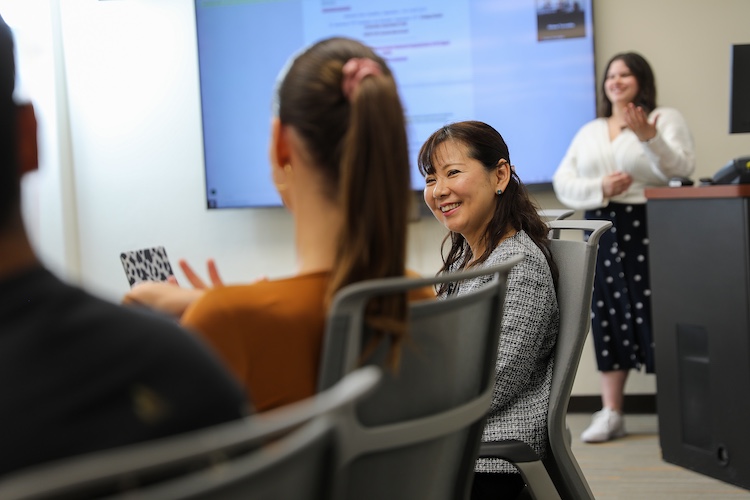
605, 424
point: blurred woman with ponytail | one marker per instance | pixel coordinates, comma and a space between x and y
473, 190
339, 160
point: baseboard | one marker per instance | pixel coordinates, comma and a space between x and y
634, 403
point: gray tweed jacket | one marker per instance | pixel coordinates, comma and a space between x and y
526, 350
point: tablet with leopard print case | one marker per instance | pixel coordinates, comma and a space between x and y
146, 264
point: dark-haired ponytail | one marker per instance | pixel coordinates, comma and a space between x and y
374, 196
342, 100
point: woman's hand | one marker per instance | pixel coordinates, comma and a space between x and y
170, 298
614, 184
637, 120
194, 279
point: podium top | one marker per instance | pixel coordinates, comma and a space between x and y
722, 191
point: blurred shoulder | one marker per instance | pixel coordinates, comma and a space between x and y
667, 114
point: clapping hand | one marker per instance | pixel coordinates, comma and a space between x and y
195, 280
637, 120
614, 184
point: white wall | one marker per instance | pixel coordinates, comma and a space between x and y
131, 78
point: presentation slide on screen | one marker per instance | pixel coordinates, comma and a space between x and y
419, 39
526, 68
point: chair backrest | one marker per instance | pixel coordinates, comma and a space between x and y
287, 453
576, 261
418, 434
550, 214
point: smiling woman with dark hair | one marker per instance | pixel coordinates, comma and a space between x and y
474, 191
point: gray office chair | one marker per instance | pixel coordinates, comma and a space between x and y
417, 435
288, 453
560, 476
550, 214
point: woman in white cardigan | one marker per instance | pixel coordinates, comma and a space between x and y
631, 146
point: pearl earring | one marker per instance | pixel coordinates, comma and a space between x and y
499, 192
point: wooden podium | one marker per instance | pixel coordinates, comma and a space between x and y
700, 280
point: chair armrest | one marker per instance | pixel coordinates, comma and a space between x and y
538, 483
510, 450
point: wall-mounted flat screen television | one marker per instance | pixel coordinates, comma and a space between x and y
525, 67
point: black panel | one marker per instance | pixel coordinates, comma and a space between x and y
695, 390
700, 275
740, 100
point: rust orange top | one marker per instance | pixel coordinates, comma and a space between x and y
269, 334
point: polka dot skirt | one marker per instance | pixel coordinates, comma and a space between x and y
621, 305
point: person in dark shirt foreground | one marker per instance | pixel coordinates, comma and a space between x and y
79, 374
